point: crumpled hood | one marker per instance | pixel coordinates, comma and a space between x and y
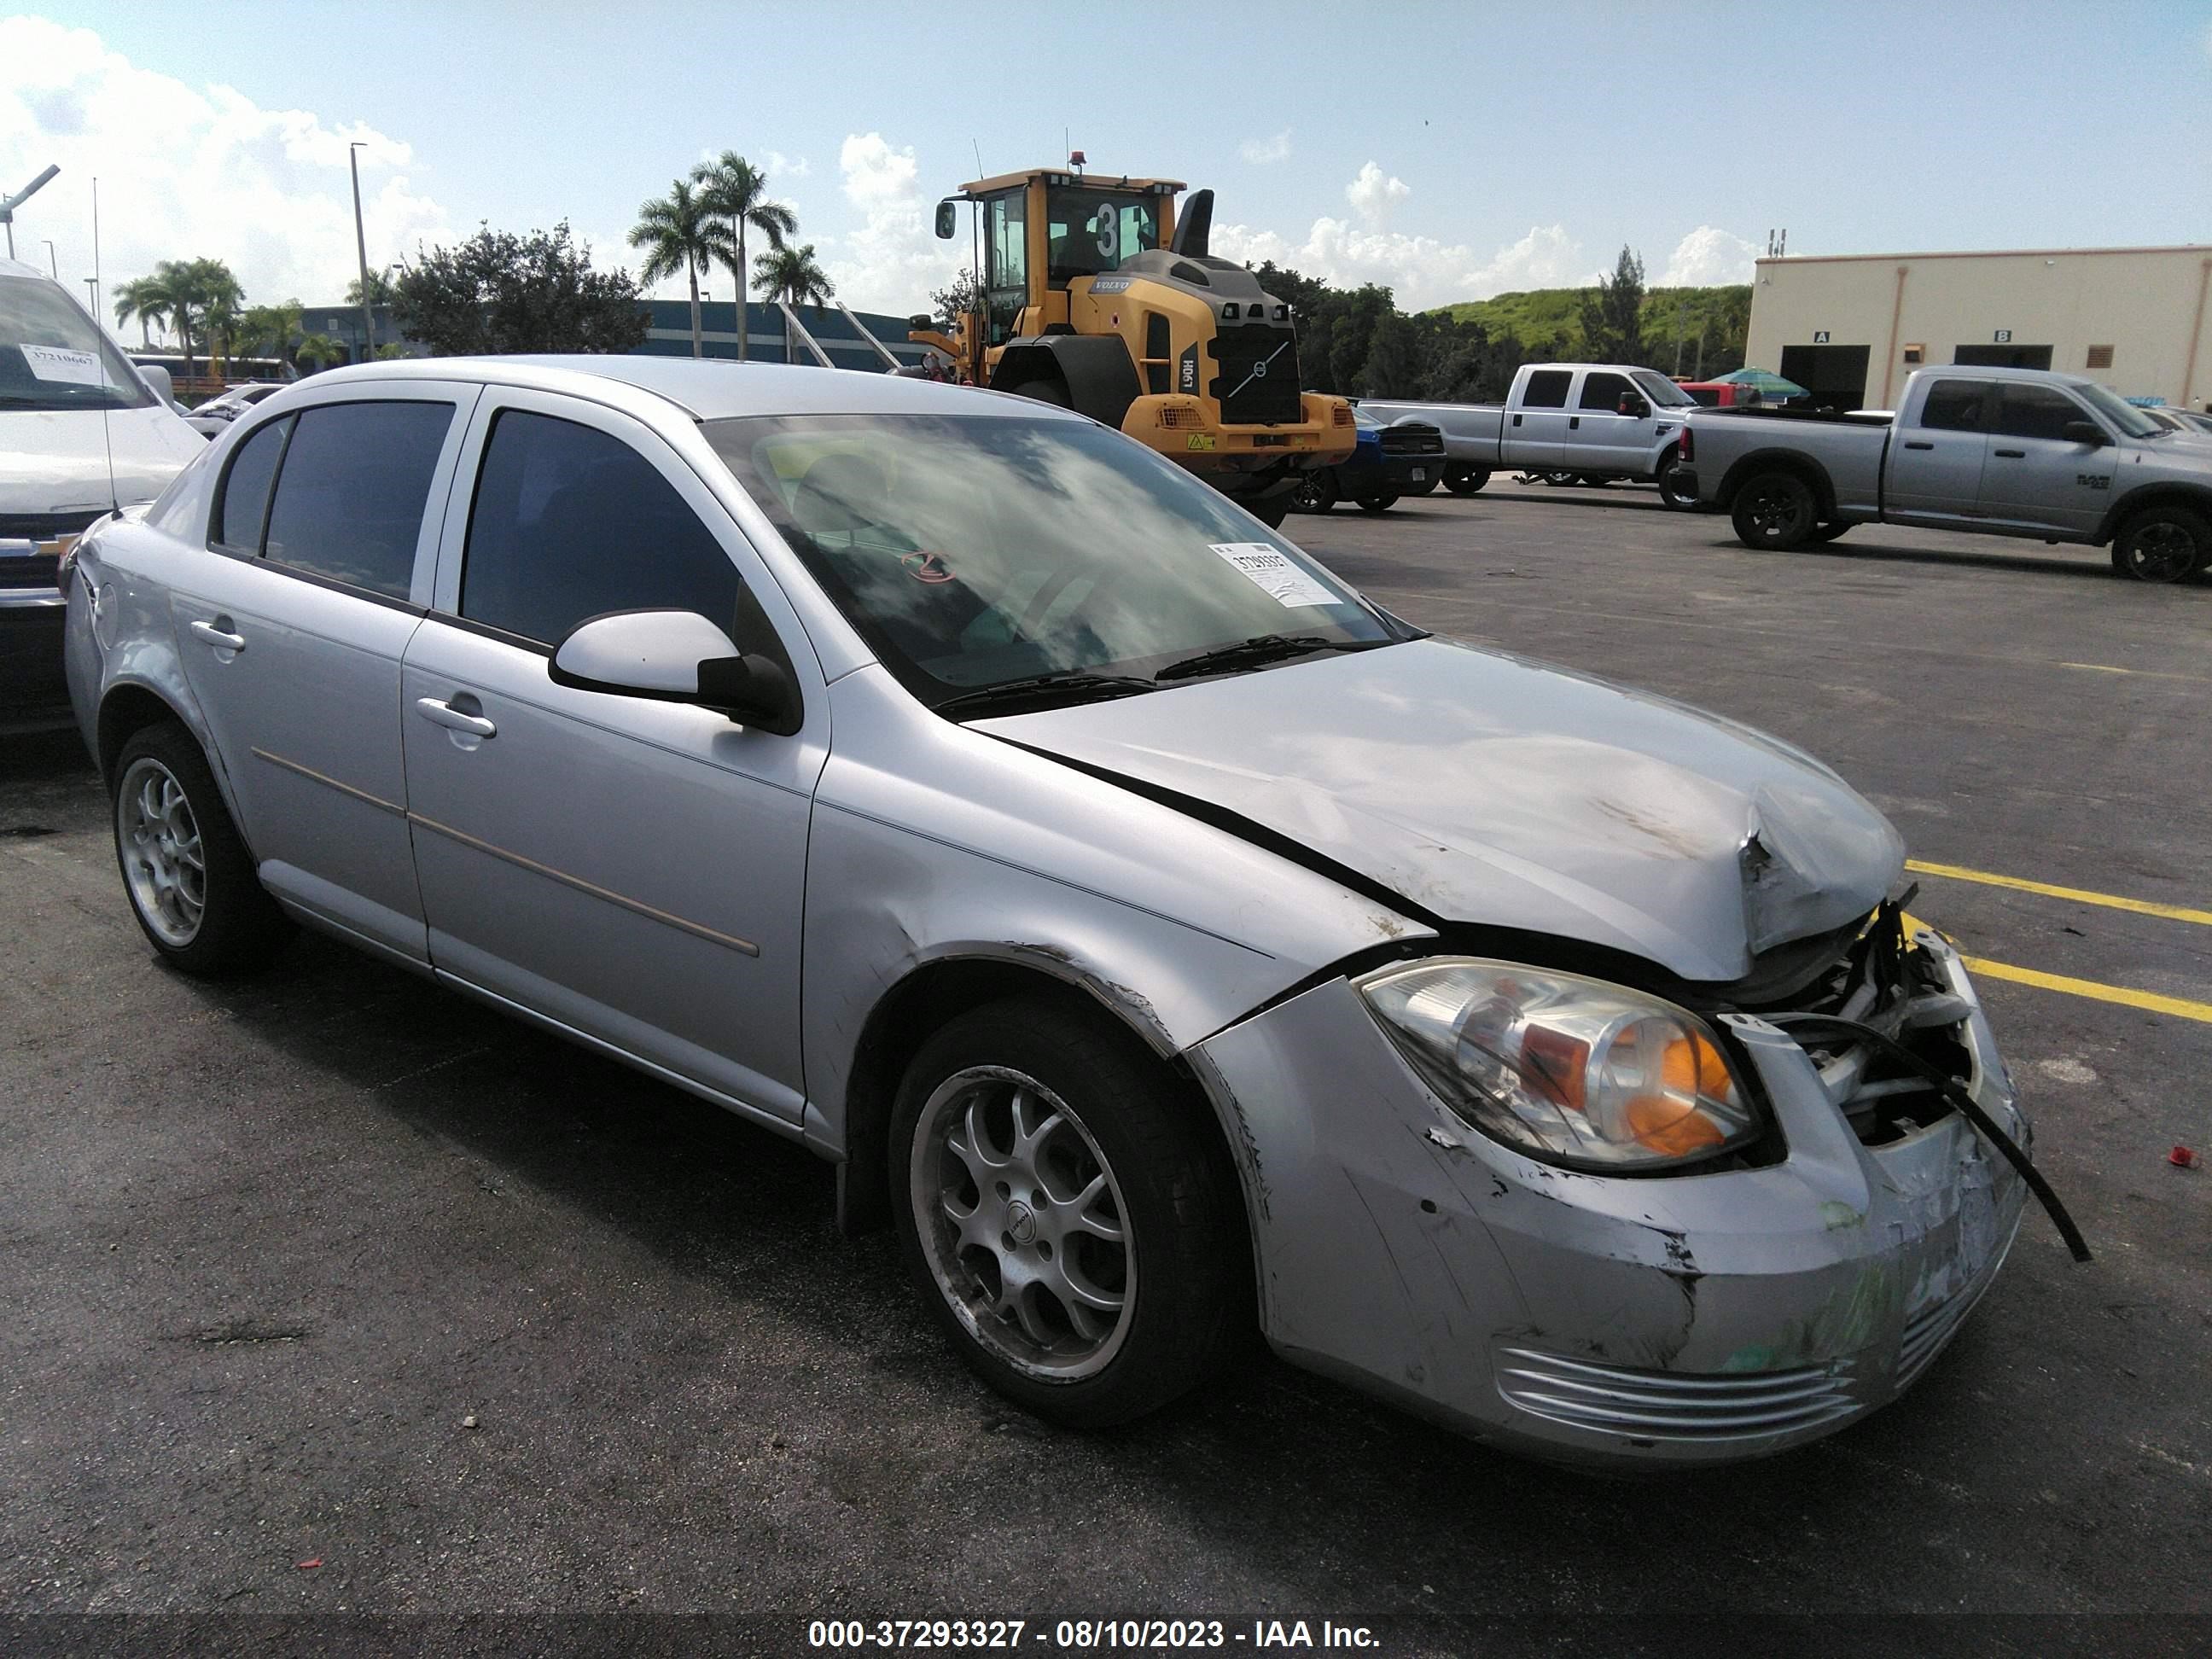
1484, 789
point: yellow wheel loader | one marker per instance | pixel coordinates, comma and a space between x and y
1094, 293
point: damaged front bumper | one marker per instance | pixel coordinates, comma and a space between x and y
1681, 1318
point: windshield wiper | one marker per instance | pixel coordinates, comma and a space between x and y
1260, 648
1078, 686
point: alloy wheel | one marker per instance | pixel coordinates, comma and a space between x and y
163, 860
2163, 552
1022, 1223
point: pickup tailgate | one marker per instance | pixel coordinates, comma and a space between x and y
1844, 453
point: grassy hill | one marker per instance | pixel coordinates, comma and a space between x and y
1549, 321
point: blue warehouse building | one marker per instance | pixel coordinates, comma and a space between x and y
671, 333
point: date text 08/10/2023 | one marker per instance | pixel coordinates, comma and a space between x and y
1084, 1635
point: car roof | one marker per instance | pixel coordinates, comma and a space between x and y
1993, 372
712, 389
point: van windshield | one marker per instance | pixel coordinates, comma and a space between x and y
53, 356
975, 552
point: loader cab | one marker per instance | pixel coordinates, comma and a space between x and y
1043, 230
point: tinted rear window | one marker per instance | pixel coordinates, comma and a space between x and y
1546, 389
1956, 405
349, 499
245, 501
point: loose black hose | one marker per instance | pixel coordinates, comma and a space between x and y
1951, 1090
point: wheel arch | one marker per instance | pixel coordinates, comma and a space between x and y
931, 993
1100, 375
1793, 461
2195, 497
128, 709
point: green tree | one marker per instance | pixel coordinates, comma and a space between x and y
677, 233
1612, 317
1393, 368
790, 273
319, 349
381, 289
272, 329
144, 298
733, 188
957, 300
498, 292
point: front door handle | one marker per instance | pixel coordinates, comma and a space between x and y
453, 720
1919, 443
216, 636
1574, 423
2010, 454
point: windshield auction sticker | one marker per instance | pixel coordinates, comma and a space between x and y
60, 363
1264, 566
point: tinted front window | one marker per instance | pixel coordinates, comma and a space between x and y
1956, 405
1604, 391
1546, 389
350, 495
2035, 411
244, 503
52, 355
570, 522
1662, 392
975, 550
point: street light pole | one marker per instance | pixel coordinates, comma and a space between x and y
9, 203
53, 270
361, 249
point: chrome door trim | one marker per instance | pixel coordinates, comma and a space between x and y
324, 777
744, 947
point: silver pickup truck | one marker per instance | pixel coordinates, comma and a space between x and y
1595, 421
2002, 451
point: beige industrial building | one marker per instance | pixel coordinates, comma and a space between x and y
1850, 329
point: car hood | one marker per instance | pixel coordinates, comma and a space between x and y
62, 460
1484, 789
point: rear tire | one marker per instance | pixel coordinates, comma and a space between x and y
1316, 491
1557, 480
1677, 486
1067, 1213
1270, 510
1465, 480
189, 877
1774, 512
1377, 503
1828, 531
1044, 391
2163, 544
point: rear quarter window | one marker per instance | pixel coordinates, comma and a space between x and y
351, 491
242, 507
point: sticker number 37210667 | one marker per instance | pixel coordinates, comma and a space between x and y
1265, 567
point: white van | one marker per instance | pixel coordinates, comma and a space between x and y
82, 432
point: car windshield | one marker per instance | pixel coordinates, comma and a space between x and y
2131, 421
980, 551
53, 356
1662, 392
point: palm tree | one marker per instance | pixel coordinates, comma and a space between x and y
319, 349
790, 273
144, 298
677, 234
272, 328
733, 189
381, 290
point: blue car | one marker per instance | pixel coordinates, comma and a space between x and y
1404, 458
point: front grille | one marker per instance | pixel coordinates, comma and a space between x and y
1256, 376
1417, 439
28, 570
1641, 1405
1181, 414
46, 526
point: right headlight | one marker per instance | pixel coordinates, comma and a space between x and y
1566, 1069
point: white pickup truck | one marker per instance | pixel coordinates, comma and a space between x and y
2002, 451
1596, 422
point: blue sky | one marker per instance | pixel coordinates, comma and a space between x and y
1451, 151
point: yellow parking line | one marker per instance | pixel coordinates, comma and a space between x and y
2140, 673
2181, 1007
2079, 895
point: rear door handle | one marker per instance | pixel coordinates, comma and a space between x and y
445, 714
2010, 454
1574, 423
1517, 420
1922, 444
215, 637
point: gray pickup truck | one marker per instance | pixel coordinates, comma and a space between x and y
2000, 451
1590, 422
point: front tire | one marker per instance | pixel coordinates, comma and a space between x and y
1377, 503
1774, 512
1465, 480
2163, 544
1066, 1213
1316, 491
1678, 489
190, 879
1828, 531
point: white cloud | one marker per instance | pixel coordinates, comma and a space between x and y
1261, 151
1372, 195
893, 261
1709, 255
188, 173
777, 165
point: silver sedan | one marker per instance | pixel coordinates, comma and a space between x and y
1164, 938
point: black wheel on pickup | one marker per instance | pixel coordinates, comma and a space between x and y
1316, 491
1677, 486
1775, 511
1377, 504
1828, 531
1463, 480
2162, 544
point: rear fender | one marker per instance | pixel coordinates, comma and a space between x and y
1097, 371
1778, 460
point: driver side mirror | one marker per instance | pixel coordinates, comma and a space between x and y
945, 221
2085, 432
677, 656
1635, 408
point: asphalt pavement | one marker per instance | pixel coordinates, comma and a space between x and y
329, 1292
